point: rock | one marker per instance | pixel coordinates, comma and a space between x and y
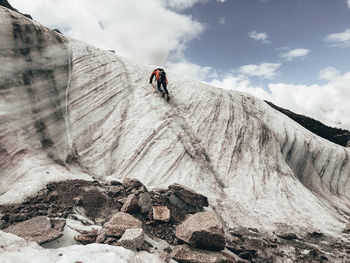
248, 254
348, 144
53, 195
116, 183
347, 228
188, 195
287, 236
78, 201
2, 224
161, 213
111, 241
87, 238
146, 246
316, 234
132, 238
101, 236
138, 191
58, 224
202, 230
164, 256
129, 183
168, 250
131, 205
115, 190
184, 254
120, 222
37, 229
145, 203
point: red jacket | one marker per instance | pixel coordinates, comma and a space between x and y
156, 74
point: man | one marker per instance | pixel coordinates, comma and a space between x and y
160, 76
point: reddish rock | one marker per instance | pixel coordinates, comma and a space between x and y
87, 238
161, 213
37, 229
188, 195
202, 230
120, 222
132, 238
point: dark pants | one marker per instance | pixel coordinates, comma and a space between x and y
164, 87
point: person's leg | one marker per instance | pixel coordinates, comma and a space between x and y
165, 89
158, 85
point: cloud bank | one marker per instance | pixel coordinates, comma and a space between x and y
145, 30
328, 103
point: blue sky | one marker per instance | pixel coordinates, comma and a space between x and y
294, 53
289, 24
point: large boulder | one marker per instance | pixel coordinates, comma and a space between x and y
145, 202
120, 222
37, 229
202, 230
188, 195
184, 254
132, 238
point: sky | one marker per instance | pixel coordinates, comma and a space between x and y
294, 53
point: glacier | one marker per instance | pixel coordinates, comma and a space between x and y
71, 111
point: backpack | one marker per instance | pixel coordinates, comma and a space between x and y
161, 75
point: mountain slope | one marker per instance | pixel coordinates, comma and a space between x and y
338, 136
69, 110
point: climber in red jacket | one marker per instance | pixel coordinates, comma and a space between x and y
160, 76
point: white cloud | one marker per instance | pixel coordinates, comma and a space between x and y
329, 74
264, 70
222, 20
149, 32
239, 83
182, 4
223, 1
348, 3
295, 53
328, 103
259, 36
193, 70
340, 39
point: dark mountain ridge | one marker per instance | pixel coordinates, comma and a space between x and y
6, 4
335, 135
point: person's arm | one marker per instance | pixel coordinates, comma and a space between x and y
152, 76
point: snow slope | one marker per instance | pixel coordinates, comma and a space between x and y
69, 110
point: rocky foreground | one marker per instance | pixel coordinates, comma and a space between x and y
174, 223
